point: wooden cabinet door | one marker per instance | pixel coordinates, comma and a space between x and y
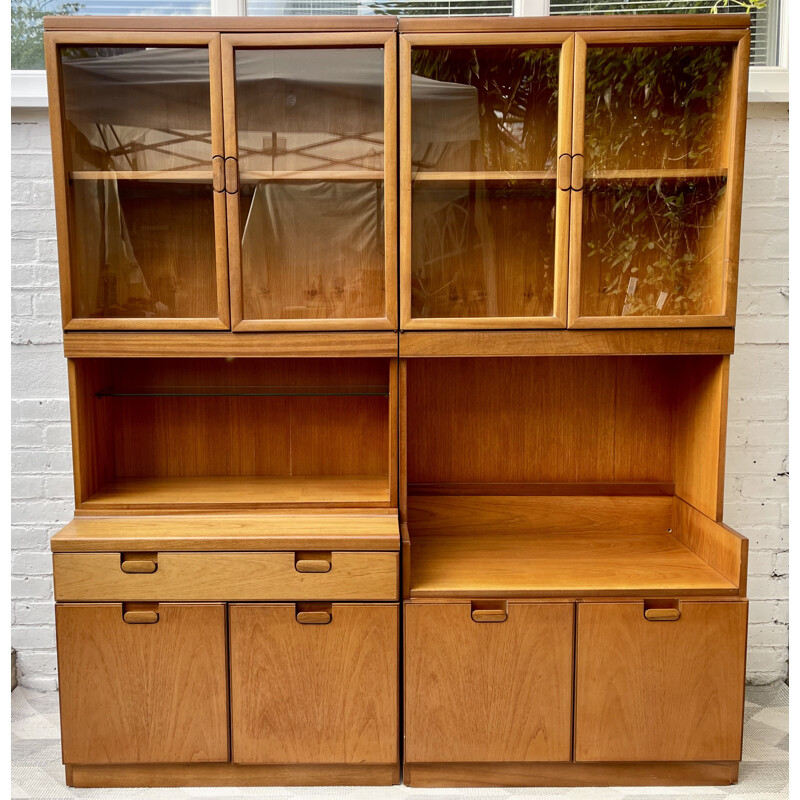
657, 158
311, 692
136, 122
484, 182
136, 692
660, 690
488, 691
310, 144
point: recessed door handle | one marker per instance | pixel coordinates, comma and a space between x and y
140, 617
489, 615
662, 614
139, 566
312, 565
313, 617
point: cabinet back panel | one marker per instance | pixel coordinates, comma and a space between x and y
557, 419
184, 418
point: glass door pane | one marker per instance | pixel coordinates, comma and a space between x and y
487, 220
144, 218
656, 147
311, 236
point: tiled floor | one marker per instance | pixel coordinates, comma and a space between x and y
36, 770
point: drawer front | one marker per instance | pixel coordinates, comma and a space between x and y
314, 685
142, 691
660, 689
488, 690
226, 576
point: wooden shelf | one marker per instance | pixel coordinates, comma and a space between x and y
485, 176
358, 530
647, 175
496, 564
172, 175
312, 175
206, 493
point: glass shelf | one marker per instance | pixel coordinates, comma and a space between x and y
247, 391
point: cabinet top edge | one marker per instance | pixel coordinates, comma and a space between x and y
574, 23
220, 24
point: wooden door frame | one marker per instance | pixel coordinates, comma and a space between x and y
735, 161
329, 40
61, 169
559, 318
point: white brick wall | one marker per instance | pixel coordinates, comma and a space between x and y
756, 485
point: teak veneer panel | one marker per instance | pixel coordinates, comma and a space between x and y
309, 694
228, 532
142, 693
221, 493
646, 773
156, 775
321, 344
494, 563
419, 344
226, 577
478, 691
660, 691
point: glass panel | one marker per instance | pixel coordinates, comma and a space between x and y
484, 109
657, 107
312, 249
143, 249
309, 109
653, 247
482, 248
137, 108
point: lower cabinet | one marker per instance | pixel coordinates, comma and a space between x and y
660, 690
314, 683
493, 686
147, 690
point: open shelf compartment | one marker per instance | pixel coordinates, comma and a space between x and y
188, 435
561, 476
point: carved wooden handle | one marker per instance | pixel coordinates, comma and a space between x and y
662, 614
313, 617
138, 566
312, 565
140, 617
489, 615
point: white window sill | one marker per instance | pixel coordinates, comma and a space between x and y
767, 85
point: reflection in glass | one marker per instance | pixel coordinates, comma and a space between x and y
143, 249
137, 108
482, 249
653, 248
312, 249
484, 109
656, 107
310, 109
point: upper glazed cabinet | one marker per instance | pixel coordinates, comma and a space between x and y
588, 179
282, 217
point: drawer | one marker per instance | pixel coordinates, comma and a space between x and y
150, 689
488, 681
668, 689
172, 576
314, 683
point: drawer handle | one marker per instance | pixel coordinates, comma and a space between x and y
312, 565
489, 615
140, 617
313, 617
662, 614
133, 566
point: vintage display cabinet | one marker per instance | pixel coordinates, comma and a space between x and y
398, 352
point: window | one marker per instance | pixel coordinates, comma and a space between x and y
433, 7
765, 33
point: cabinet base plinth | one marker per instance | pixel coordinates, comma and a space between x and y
104, 776
650, 773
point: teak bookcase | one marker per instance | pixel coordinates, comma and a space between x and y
398, 352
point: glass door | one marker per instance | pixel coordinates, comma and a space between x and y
139, 193
656, 178
485, 124
311, 180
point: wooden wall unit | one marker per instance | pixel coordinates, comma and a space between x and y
399, 350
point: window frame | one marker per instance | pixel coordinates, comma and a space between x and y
766, 85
